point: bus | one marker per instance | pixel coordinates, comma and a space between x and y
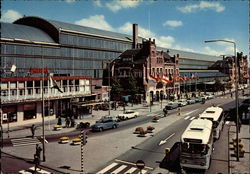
197, 145
216, 115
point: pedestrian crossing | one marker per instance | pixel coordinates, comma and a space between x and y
123, 167
32, 169
24, 141
189, 118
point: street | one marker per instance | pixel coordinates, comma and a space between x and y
118, 150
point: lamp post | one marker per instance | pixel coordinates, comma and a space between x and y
236, 93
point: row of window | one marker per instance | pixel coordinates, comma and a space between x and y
31, 91
60, 52
160, 71
94, 42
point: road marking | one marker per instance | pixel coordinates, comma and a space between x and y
164, 141
126, 162
131, 170
187, 117
24, 141
192, 118
24, 172
143, 172
107, 168
39, 170
190, 112
119, 169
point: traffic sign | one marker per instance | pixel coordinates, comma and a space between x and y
140, 164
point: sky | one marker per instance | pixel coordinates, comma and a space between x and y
176, 24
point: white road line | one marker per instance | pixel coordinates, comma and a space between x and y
107, 168
24, 172
119, 169
40, 170
131, 170
186, 118
189, 112
192, 118
125, 162
143, 172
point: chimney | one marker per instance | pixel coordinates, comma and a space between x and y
135, 35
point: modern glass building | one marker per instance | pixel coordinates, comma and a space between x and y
34, 49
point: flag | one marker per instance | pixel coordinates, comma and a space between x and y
53, 84
165, 78
186, 77
192, 75
197, 77
179, 78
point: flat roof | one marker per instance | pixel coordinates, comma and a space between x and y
199, 130
211, 113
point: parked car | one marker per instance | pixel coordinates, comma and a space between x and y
198, 99
171, 105
191, 101
104, 123
208, 96
182, 102
127, 115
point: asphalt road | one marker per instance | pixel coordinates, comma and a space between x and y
118, 148
151, 152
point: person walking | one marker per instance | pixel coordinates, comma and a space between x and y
67, 122
32, 129
37, 156
59, 122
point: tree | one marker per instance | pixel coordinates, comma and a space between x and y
116, 89
131, 87
218, 86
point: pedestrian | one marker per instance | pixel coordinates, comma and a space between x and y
231, 95
32, 129
38, 151
72, 120
67, 122
59, 121
36, 162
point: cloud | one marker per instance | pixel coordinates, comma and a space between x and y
98, 3
97, 21
172, 23
143, 32
10, 16
203, 5
70, 1
121, 4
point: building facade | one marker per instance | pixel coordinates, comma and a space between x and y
75, 57
154, 72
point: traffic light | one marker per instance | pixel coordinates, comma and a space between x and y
84, 137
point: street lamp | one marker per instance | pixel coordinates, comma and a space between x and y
236, 93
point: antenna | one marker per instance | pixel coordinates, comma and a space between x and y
149, 19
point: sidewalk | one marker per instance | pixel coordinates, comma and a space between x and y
241, 166
24, 131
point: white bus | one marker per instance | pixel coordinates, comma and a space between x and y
216, 115
197, 144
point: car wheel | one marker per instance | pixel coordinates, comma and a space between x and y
114, 126
100, 129
135, 116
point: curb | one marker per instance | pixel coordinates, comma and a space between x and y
31, 161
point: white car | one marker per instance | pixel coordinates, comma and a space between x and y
182, 102
127, 115
190, 101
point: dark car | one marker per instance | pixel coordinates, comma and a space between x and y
104, 123
171, 105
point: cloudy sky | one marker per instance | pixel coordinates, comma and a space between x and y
183, 25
